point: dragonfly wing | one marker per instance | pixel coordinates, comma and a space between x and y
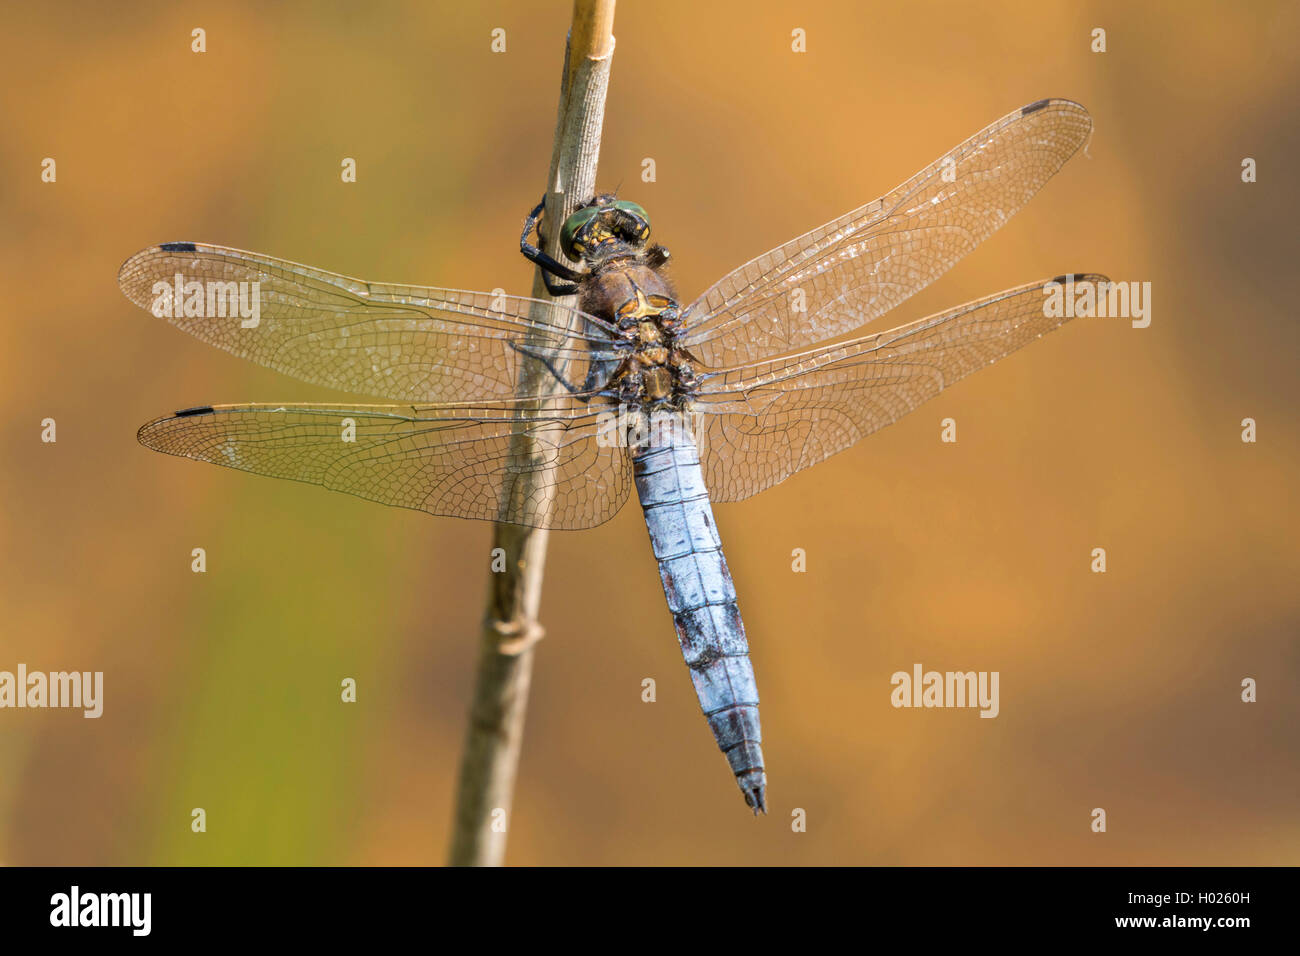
762, 423
408, 343
541, 469
842, 275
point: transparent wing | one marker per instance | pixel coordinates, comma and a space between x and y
541, 469
409, 343
762, 423
840, 276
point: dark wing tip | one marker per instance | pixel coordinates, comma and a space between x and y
127, 275
1059, 102
1079, 277
154, 434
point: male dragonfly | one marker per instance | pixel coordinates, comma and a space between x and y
536, 413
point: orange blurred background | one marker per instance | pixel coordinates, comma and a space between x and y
1118, 690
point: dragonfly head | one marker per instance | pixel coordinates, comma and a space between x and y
603, 227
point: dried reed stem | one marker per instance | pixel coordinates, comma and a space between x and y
511, 628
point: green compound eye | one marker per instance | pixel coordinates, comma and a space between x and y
570, 231
632, 209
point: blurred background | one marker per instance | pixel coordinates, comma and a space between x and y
1118, 690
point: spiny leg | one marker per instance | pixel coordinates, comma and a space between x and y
550, 267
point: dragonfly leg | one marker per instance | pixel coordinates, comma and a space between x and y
548, 363
549, 266
600, 376
657, 256
558, 288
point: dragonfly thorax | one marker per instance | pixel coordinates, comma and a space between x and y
639, 301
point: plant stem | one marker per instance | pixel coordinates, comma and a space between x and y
510, 627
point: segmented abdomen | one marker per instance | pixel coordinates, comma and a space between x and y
702, 600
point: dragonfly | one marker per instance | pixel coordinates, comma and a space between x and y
547, 413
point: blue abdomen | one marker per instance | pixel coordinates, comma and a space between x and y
702, 600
